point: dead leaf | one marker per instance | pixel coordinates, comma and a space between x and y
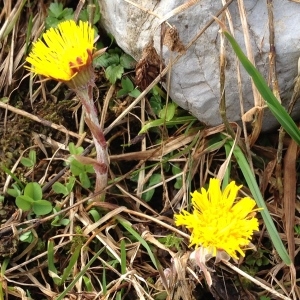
149, 67
172, 40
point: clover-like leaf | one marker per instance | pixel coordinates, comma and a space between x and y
24, 202
33, 190
41, 207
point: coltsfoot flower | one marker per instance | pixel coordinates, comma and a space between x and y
220, 222
63, 52
66, 54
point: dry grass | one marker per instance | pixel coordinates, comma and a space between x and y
133, 250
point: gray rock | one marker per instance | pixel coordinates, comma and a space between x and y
195, 77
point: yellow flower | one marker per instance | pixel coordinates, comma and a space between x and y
219, 222
63, 51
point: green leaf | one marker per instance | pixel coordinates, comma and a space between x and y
59, 188
64, 222
156, 105
67, 14
32, 156
76, 167
275, 107
33, 190
41, 207
26, 237
27, 162
68, 270
72, 148
101, 61
107, 59
160, 122
122, 93
84, 180
128, 226
51, 22
127, 61
168, 111
15, 191
57, 14
75, 150
55, 9
24, 202
57, 222
51, 266
127, 87
84, 15
95, 214
16, 179
252, 184
89, 169
154, 179
88, 284
79, 275
123, 256
114, 72
70, 183
135, 93
176, 170
127, 84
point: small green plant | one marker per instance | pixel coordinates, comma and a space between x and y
31, 199
115, 62
156, 99
77, 169
257, 258
171, 241
176, 170
82, 171
57, 13
59, 220
54, 273
264, 298
27, 237
168, 116
153, 180
15, 191
149, 192
66, 188
128, 89
29, 161
297, 229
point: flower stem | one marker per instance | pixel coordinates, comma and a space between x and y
85, 94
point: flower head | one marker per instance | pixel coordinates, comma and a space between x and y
219, 222
63, 52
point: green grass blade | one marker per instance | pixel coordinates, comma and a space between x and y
3, 287
51, 267
275, 107
123, 257
226, 178
252, 184
88, 284
72, 261
127, 225
80, 274
104, 281
173, 122
13, 176
4, 33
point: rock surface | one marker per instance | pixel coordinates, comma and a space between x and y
195, 77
